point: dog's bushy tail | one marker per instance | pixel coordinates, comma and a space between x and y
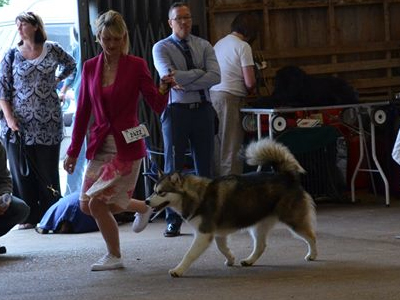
267, 151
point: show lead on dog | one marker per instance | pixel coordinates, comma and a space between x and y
189, 117
110, 88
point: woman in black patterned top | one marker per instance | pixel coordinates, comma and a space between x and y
31, 108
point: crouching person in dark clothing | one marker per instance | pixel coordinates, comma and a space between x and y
12, 209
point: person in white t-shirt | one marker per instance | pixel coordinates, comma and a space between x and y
238, 80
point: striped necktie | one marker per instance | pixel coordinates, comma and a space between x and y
189, 62
187, 54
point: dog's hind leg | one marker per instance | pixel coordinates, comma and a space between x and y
222, 245
199, 245
307, 234
304, 228
302, 222
259, 234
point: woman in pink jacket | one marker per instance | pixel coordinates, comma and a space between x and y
110, 88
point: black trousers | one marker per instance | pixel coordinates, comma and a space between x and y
16, 213
43, 172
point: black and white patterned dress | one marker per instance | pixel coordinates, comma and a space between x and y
30, 86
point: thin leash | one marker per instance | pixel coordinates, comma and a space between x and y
158, 213
173, 148
27, 163
172, 124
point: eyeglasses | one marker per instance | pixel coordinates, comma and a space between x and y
181, 19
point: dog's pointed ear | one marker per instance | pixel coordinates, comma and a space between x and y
176, 178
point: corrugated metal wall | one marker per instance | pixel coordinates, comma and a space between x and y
147, 22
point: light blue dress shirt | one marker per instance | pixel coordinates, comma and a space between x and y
167, 57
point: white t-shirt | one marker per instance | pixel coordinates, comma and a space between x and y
42, 55
232, 54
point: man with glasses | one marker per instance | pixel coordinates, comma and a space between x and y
188, 120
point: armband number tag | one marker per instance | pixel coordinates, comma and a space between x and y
135, 133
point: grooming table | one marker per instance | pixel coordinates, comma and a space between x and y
377, 116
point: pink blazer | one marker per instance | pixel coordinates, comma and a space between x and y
133, 77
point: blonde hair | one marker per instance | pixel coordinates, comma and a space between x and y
34, 20
113, 22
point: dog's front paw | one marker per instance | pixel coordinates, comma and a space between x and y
175, 273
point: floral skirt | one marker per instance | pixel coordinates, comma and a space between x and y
108, 179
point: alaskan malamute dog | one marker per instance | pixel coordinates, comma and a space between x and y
218, 207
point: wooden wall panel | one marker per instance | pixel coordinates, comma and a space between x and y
394, 15
353, 39
222, 24
298, 28
359, 24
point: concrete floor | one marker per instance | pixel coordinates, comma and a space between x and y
359, 258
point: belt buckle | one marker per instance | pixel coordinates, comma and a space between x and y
193, 105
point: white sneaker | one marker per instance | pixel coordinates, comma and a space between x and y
107, 262
141, 220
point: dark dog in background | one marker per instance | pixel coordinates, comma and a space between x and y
295, 88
